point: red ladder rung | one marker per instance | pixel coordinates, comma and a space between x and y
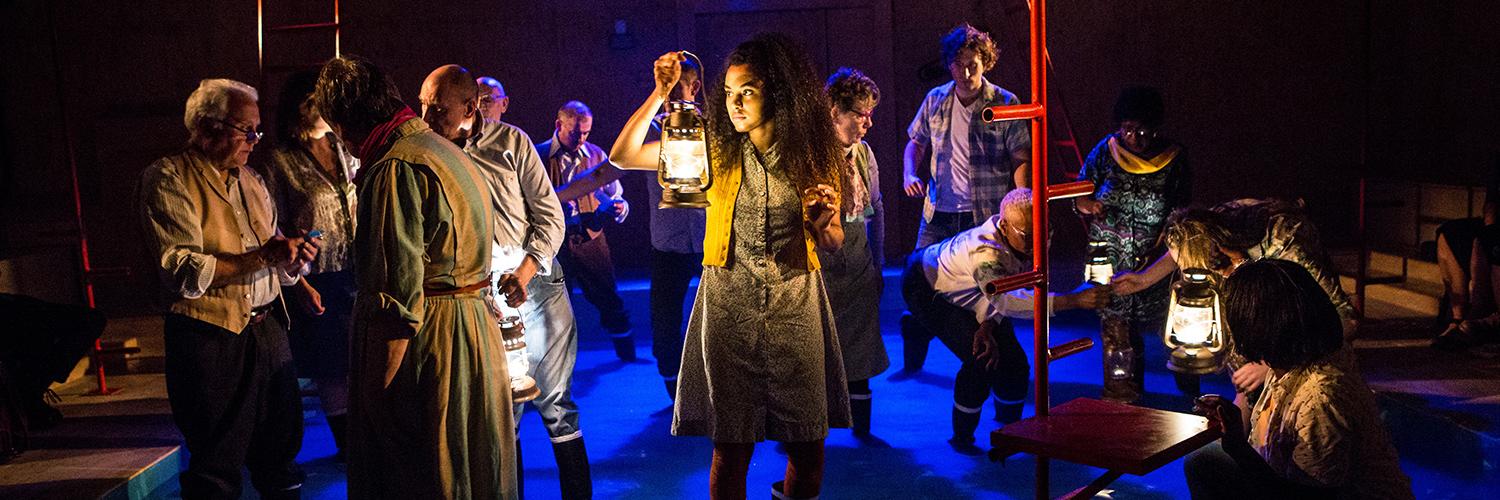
305, 27
1012, 112
1069, 190
1014, 282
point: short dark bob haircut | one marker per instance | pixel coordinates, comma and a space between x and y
1278, 314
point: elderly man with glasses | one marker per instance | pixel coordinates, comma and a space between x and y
212, 228
944, 290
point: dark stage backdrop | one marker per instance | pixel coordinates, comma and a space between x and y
1271, 98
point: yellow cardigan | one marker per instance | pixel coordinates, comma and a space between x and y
720, 214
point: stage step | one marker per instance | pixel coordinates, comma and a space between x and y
120, 446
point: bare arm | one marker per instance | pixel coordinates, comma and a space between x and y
1127, 283
630, 151
603, 174
915, 153
1022, 175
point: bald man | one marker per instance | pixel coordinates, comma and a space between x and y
492, 99
528, 231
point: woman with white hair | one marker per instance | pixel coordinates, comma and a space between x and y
212, 227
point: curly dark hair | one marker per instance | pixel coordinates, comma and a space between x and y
1278, 314
1142, 104
793, 101
355, 94
849, 87
966, 36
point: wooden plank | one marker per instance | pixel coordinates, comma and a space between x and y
1108, 435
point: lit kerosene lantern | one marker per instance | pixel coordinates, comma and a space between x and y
684, 168
1195, 329
513, 331
1099, 267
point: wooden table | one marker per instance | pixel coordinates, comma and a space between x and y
1120, 438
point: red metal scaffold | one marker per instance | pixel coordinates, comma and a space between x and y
1142, 439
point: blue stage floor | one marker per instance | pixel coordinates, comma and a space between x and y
626, 418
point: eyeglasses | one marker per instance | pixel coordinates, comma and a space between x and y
1024, 235
251, 135
1138, 132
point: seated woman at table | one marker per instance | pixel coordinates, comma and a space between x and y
1315, 432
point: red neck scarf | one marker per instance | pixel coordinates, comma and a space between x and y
380, 134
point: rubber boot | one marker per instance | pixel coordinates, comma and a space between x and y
776, 493
964, 424
914, 341
1008, 413
624, 347
859, 409
573, 469
291, 494
337, 425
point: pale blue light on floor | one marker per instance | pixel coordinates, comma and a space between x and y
626, 419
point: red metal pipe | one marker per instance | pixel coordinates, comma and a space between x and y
1039, 230
304, 27
1011, 112
1069, 190
1014, 282
1069, 348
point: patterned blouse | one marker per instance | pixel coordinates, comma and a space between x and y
1134, 216
1318, 425
309, 198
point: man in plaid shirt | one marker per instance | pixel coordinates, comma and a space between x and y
974, 164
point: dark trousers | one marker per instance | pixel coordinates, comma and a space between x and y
1213, 474
955, 327
671, 273
235, 399
943, 225
589, 268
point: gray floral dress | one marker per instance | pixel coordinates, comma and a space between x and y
761, 360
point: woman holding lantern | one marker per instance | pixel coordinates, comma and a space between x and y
761, 358
1230, 234
1140, 177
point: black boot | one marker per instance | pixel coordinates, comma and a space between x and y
671, 384
776, 493
336, 425
624, 347
573, 469
914, 341
859, 409
964, 424
1008, 413
291, 494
